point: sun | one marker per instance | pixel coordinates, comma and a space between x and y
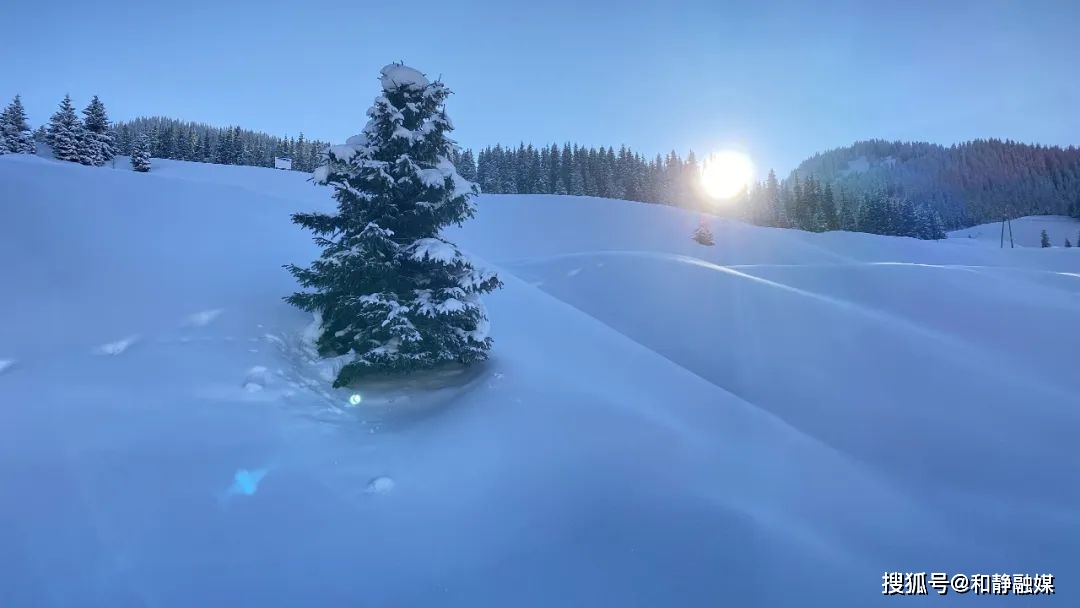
726, 173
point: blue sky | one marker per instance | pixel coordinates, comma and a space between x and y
779, 80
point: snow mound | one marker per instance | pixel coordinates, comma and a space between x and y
398, 75
116, 348
6, 364
204, 318
380, 485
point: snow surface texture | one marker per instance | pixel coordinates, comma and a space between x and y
1026, 231
774, 421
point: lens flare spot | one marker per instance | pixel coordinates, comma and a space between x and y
355, 399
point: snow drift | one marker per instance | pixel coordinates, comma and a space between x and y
776, 420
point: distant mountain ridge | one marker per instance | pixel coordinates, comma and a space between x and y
968, 183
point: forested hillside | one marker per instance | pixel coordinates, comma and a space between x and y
880, 187
968, 183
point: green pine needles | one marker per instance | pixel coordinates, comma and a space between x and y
389, 289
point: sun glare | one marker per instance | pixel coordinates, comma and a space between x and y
725, 174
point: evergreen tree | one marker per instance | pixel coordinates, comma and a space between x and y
829, 216
387, 287
872, 215
140, 154
15, 137
98, 140
1044, 239
702, 234
468, 166
928, 224
847, 211
65, 132
1067, 243
300, 155
774, 208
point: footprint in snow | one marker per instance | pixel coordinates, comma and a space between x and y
273, 338
116, 348
256, 379
380, 485
204, 318
245, 483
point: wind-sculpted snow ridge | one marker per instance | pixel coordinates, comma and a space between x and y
776, 421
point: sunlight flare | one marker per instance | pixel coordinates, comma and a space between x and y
725, 174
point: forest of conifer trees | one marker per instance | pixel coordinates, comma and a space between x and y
805, 203
906, 189
179, 140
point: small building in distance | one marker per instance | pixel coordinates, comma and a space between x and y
283, 163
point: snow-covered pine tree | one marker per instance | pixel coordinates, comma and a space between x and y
938, 232
828, 214
15, 136
1044, 239
99, 143
140, 153
468, 166
65, 132
1068, 243
702, 234
388, 288
88, 150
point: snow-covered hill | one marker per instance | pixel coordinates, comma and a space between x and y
774, 421
1026, 231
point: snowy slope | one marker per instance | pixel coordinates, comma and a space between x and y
1026, 231
774, 421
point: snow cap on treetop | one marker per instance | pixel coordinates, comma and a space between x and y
399, 75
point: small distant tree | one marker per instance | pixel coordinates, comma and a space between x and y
1045, 239
65, 133
1067, 243
702, 234
390, 290
140, 153
15, 137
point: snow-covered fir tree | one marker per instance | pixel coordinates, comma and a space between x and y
702, 234
98, 143
140, 153
15, 136
1068, 243
65, 133
1044, 239
388, 288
